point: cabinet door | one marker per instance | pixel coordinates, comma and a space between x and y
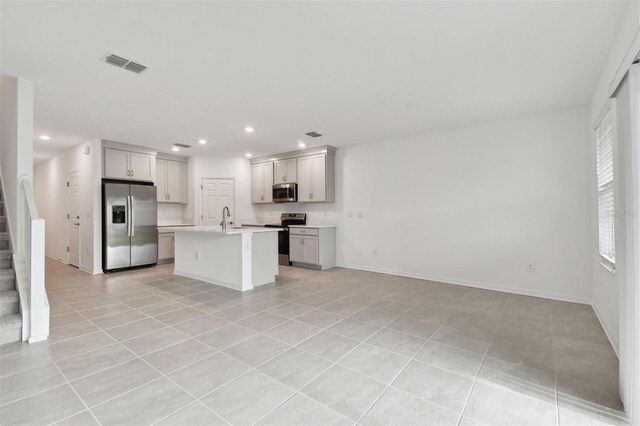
161, 180
268, 182
304, 179
296, 248
318, 178
280, 172
174, 181
292, 170
165, 246
257, 183
310, 248
116, 164
285, 171
142, 166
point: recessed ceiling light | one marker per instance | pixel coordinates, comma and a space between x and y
175, 148
202, 141
302, 144
248, 129
248, 154
45, 137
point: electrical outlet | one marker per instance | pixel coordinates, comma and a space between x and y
374, 252
360, 215
350, 215
531, 267
197, 255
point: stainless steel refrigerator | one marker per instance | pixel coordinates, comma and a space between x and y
129, 225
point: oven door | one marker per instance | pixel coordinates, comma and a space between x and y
285, 193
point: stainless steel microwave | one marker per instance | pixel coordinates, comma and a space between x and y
285, 193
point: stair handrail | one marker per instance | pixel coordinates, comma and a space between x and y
28, 196
33, 247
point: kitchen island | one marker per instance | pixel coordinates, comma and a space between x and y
240, 258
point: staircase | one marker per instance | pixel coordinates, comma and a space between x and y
10, 318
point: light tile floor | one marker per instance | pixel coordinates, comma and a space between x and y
316, 348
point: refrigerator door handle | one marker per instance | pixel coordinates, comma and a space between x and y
128, 216
133, 232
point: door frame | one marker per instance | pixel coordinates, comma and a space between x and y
68, 262
633, 270
200, 204
628, 276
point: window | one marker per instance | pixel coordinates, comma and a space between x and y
606, 229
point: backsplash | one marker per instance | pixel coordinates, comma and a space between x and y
170, 214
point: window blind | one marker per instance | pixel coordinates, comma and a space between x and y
606, 223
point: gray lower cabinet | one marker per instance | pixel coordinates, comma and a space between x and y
312, 247
166, 246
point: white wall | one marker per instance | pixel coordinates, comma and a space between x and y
16, 148
50, 187
471, 206
605, 293
219, 167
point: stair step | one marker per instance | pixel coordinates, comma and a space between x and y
9, 296
5, 259
4, 240
7, 279
9, 302
10, 328
10, 321
7, 274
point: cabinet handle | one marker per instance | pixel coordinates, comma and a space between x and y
262, 198
302, 242
131, 173
169, 196
284, 178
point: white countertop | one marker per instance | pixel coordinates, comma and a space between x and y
313, 226
218, 230
176, 224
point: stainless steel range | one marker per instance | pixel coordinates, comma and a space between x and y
286, 219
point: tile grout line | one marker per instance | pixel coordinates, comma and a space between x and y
74, 391
473, 385
397, 375
296, 391
555, 372
299, 391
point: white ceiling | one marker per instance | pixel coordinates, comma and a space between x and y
355, 71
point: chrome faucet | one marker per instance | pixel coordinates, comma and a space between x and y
224, 218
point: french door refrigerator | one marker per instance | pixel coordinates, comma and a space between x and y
129, 225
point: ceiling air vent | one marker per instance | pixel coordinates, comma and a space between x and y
313, 134
135, 67
181, 145
124, 63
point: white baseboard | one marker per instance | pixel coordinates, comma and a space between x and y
475, 284
57, 259
607, 329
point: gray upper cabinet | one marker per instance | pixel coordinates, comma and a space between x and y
121, 164
312, 180
285, 171
312, 169
171, 181
262, 182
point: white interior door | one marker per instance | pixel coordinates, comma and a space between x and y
73, 219
216, 195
